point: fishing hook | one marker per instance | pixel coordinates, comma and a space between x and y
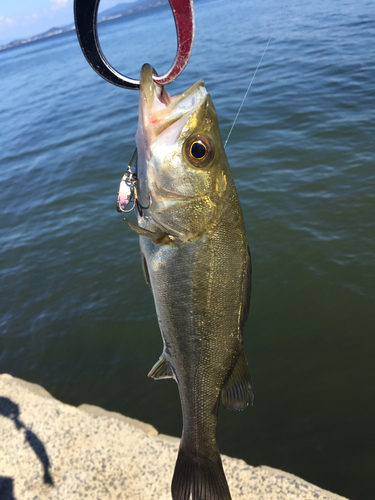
130, 209
140, 207
85, 14
136, 201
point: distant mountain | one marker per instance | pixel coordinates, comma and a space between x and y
119, 10
46, 34
126, 9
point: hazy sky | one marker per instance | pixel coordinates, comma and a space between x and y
23, 19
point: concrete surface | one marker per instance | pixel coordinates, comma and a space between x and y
53, 451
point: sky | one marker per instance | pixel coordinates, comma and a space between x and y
21, 19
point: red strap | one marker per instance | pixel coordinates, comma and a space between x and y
183, 13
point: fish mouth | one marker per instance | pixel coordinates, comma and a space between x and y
158, 110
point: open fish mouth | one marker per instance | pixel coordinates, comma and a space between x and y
158, 109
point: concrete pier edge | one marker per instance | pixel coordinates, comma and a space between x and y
51, 451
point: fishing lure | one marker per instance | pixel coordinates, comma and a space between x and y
127, 191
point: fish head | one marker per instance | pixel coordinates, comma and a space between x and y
182, 172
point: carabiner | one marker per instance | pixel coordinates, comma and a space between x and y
85, 14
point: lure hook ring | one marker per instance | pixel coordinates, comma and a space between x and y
85, 14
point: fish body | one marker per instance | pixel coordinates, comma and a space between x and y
197, 262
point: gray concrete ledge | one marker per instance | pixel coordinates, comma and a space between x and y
53, 451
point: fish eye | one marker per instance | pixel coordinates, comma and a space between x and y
199, 151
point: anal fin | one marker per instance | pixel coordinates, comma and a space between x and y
238, 390
161, 370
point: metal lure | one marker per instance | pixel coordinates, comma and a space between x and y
127, 190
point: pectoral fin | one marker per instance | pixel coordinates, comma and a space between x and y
238, 390
160, 370
155, 236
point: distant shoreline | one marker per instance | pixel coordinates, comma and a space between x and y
35, 38
120, 10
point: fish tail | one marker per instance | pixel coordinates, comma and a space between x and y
199, 478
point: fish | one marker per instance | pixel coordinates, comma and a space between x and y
196, 260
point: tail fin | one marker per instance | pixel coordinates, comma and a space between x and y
198, 478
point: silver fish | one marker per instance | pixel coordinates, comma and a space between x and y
196, 260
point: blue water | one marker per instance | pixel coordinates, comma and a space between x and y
75, 313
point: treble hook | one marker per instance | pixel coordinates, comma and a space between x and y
85, 14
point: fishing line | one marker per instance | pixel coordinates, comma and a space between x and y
251, 81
